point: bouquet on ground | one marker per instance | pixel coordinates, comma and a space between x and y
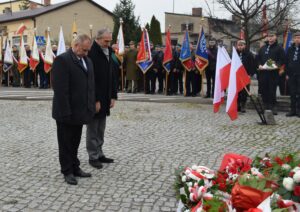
285, 169
241, 185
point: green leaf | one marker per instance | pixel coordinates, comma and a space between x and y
287, 195
183, 198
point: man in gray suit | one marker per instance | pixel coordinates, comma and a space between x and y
105, 93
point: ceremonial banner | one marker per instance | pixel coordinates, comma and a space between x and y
185, 54
144, 58
8, 57
23, 59
49, 55
35, 57
201, 60
61, 43
168, 53
20, 29
287, 40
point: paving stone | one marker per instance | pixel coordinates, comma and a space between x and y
147, 140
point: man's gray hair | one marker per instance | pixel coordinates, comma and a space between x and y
101, 32
81, 38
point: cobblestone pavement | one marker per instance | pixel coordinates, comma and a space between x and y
147, 140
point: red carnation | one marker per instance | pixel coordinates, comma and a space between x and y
222, 186
291, 174
288, 158
279, 161
246, 168
297, 191
268, 164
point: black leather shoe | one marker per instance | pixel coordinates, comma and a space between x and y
96, 164
70, 179
106, 160
80, 173
207, 96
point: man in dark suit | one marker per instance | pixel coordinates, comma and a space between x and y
106, 94
73, 103
293, 75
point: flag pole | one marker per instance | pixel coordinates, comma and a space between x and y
35, 74
202, 73
144, 75
167, 76
258, 110
1, 71
167, 73
122, 70
50, 81
184, 92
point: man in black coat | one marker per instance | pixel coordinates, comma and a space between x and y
105, 93
210, 72
273, 53
248, 61
293, 75
177, 71
73, 103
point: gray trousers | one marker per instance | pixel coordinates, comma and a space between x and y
95, 138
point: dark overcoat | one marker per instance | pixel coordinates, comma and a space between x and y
105, 88
74, 89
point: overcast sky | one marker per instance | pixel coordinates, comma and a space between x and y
146, 8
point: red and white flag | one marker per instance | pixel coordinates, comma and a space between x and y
23, 59
49, 56
221, 78
35, 57
238, 80
20, 29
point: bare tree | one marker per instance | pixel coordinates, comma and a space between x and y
249, 16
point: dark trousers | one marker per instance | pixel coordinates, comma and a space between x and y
197, 83
43, 79
27, 78
268, 84
189, 78
210, 82
177, 82
242, 96
68, 137
160, 77
283, 87
150, 81
169, 84
140, 81
294, 85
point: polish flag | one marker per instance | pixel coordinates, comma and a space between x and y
238, 80
23, 59
20, 29
222, 77
49, 56
35, 57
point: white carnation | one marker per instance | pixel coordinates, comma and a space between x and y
190, 184
288, 183
297, 168
183, 179
194, 167
296, 177
286, 167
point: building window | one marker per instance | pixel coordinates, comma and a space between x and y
16, 40
190, 27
